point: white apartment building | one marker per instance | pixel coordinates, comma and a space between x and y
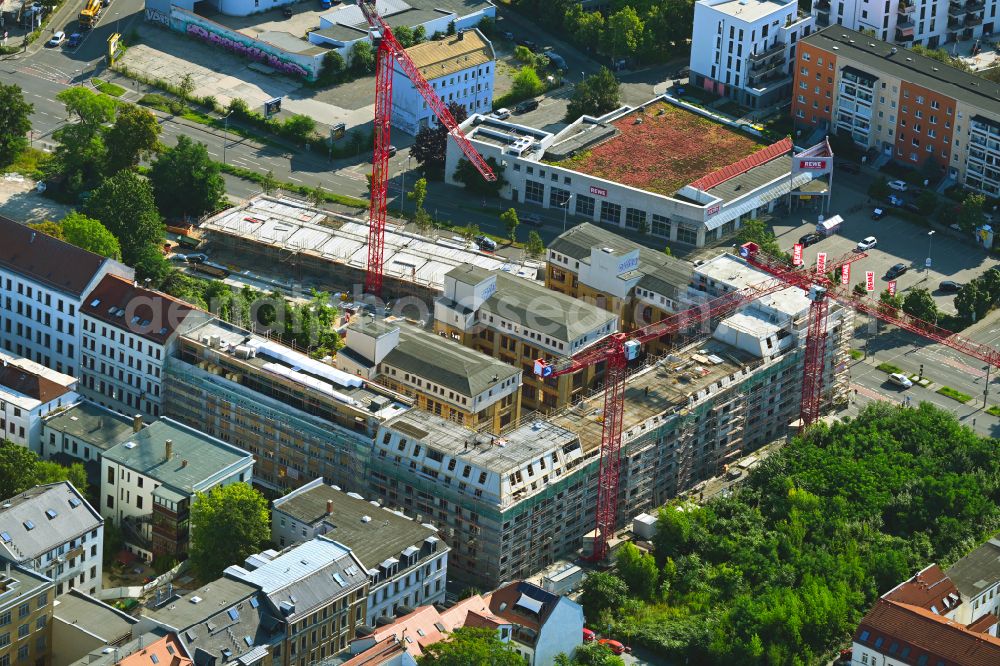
149, 481
460, 68
28, 392
53, 530
977, 578
128, 332
407, 563
43, 282
745, 49
907, 22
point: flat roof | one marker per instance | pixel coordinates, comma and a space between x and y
196, 458
732, 271
499, 454
87, 421
310, 374
297, 226
411, 13
879, 56
203, 603
751, 10
455, 366
383, 535
660, 147
977, 571
93, 616
24, 583
667, 388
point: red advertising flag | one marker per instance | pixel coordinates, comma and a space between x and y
821, 262
797, 255
870, 280
845, 274
892, 287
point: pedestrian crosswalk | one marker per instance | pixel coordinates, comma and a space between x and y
46, 72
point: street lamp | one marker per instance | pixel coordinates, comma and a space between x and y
566, 211
930, 236
225, 135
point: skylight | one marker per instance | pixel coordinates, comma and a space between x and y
234, 614
5, 536
74, 502
340, 579
248, 641
51, 513
94, 303
253, 602
28, 525
154, 658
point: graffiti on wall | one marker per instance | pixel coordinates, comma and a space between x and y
156, 16
247, 50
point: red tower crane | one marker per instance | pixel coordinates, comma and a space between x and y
388, 50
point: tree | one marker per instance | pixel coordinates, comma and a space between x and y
228, 524
299, 127
510, 221
602, 591
186, 87
362, 58
332, 67
17, 469
404, 34
431, 144
638, 570
49, 228
90, 108
317, 197
595, 95
81, 150
418, 193
124, 204
534, 247
451, 28
756, 231
47, 471
15, 122
920, 304
269, 183
469, 175
623, 34
134, 137
860, 289
971, 302
187, 182
488, 26
468, 646
970, 213
590, 654
879, 189
423, 220
91, 235
526, 83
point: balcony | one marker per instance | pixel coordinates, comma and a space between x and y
778, 48
905, 9
822, 19
905, 27
954, 23
973, 19
822, 5
902, 38
956, 9
974, 5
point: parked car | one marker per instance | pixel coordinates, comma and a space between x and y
895, 201
526, 105
848, 167
502, 113
899, 379
949, 286
617, 647
588, 635
557, 61
867, 244
527, 43
392, 150
896, 271
197, 258
74, 40
57, 39
486, 243
898, 185
531, 219
810, 239
878, 213
287, 12
508, 35
734, 473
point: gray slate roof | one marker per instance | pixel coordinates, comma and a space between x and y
45, 533
386, 535
205, 456
442, 361
977, 571
22, 583
908, 66
93, 615
92, 424
661, 274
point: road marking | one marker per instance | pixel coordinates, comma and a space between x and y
872, 394
294, 178
958, 365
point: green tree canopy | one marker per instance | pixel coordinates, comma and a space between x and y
526, 83
418, 193
91, 235
21, 469
970, 213
638, 570
124, 204
431, 144
511, 223
362, 60
602, 591
134, 136
49, 228
228, 524
590, 654
879, 189
15, 122
474, 182
468, 646
595, 95
534, 247
623, 34
756, 231
920, 304
186, 181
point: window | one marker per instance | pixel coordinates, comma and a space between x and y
558, 197
534, 191
635, 218
584, 205
611, 212
24, 609
661, 226
686, 234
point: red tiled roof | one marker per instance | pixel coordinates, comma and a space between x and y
168, 651
983, 624
29, 384
924, 632
930, 589
158, 314
738, 168
379, 653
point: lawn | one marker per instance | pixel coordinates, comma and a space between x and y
670, 148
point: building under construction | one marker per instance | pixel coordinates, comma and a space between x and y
511, 504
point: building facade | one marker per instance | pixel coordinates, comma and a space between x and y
745, 49
908, 23
518, 322
53, 530
45, 281
407, 563
911, 108
149, 482
300, 418
25, 617
28, 393
459, 68
545, 624
82, 433
463, 385
128, 332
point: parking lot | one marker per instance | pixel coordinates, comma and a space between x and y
953, 256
